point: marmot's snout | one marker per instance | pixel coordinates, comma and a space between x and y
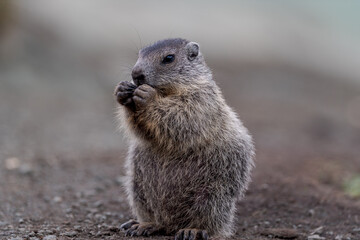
138, 75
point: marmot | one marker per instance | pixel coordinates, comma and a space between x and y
190, 157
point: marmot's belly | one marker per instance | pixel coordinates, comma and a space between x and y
173, 195
171, 202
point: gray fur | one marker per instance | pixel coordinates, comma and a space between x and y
190, 157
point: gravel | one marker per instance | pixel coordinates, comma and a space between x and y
50, 237
283, 233
70, 234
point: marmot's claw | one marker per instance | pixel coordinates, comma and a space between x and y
128, 224
123, 96
143, 229
132, 230
191, 234
124, 92
125, 87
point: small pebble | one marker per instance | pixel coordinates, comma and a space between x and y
108, 214
315, 237
25, 169
70, 234
100, 217
318, 230
98, 204
12, 163
92, 210
311, 212
114, 229
50, 237
89, 193
79, 194
57, 199
338, 237
77, 227
99, 188
83, 202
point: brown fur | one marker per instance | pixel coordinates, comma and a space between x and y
190, 157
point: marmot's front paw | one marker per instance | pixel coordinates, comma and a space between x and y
124, 92
143, 95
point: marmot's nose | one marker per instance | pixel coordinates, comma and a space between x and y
138, 76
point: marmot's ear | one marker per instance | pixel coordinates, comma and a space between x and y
192, 50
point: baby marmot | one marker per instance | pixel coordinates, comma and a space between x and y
190, 157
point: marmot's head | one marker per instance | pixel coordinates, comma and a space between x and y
170, 62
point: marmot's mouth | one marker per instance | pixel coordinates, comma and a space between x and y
136, 84
139, 79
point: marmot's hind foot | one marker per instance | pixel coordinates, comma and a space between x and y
191, 234
128, 224
143, 229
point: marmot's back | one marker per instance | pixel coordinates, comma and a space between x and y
190, 156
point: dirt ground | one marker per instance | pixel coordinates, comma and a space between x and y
84, 199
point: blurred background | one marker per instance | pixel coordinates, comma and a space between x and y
290, 69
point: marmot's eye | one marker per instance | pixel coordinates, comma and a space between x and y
168, 59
